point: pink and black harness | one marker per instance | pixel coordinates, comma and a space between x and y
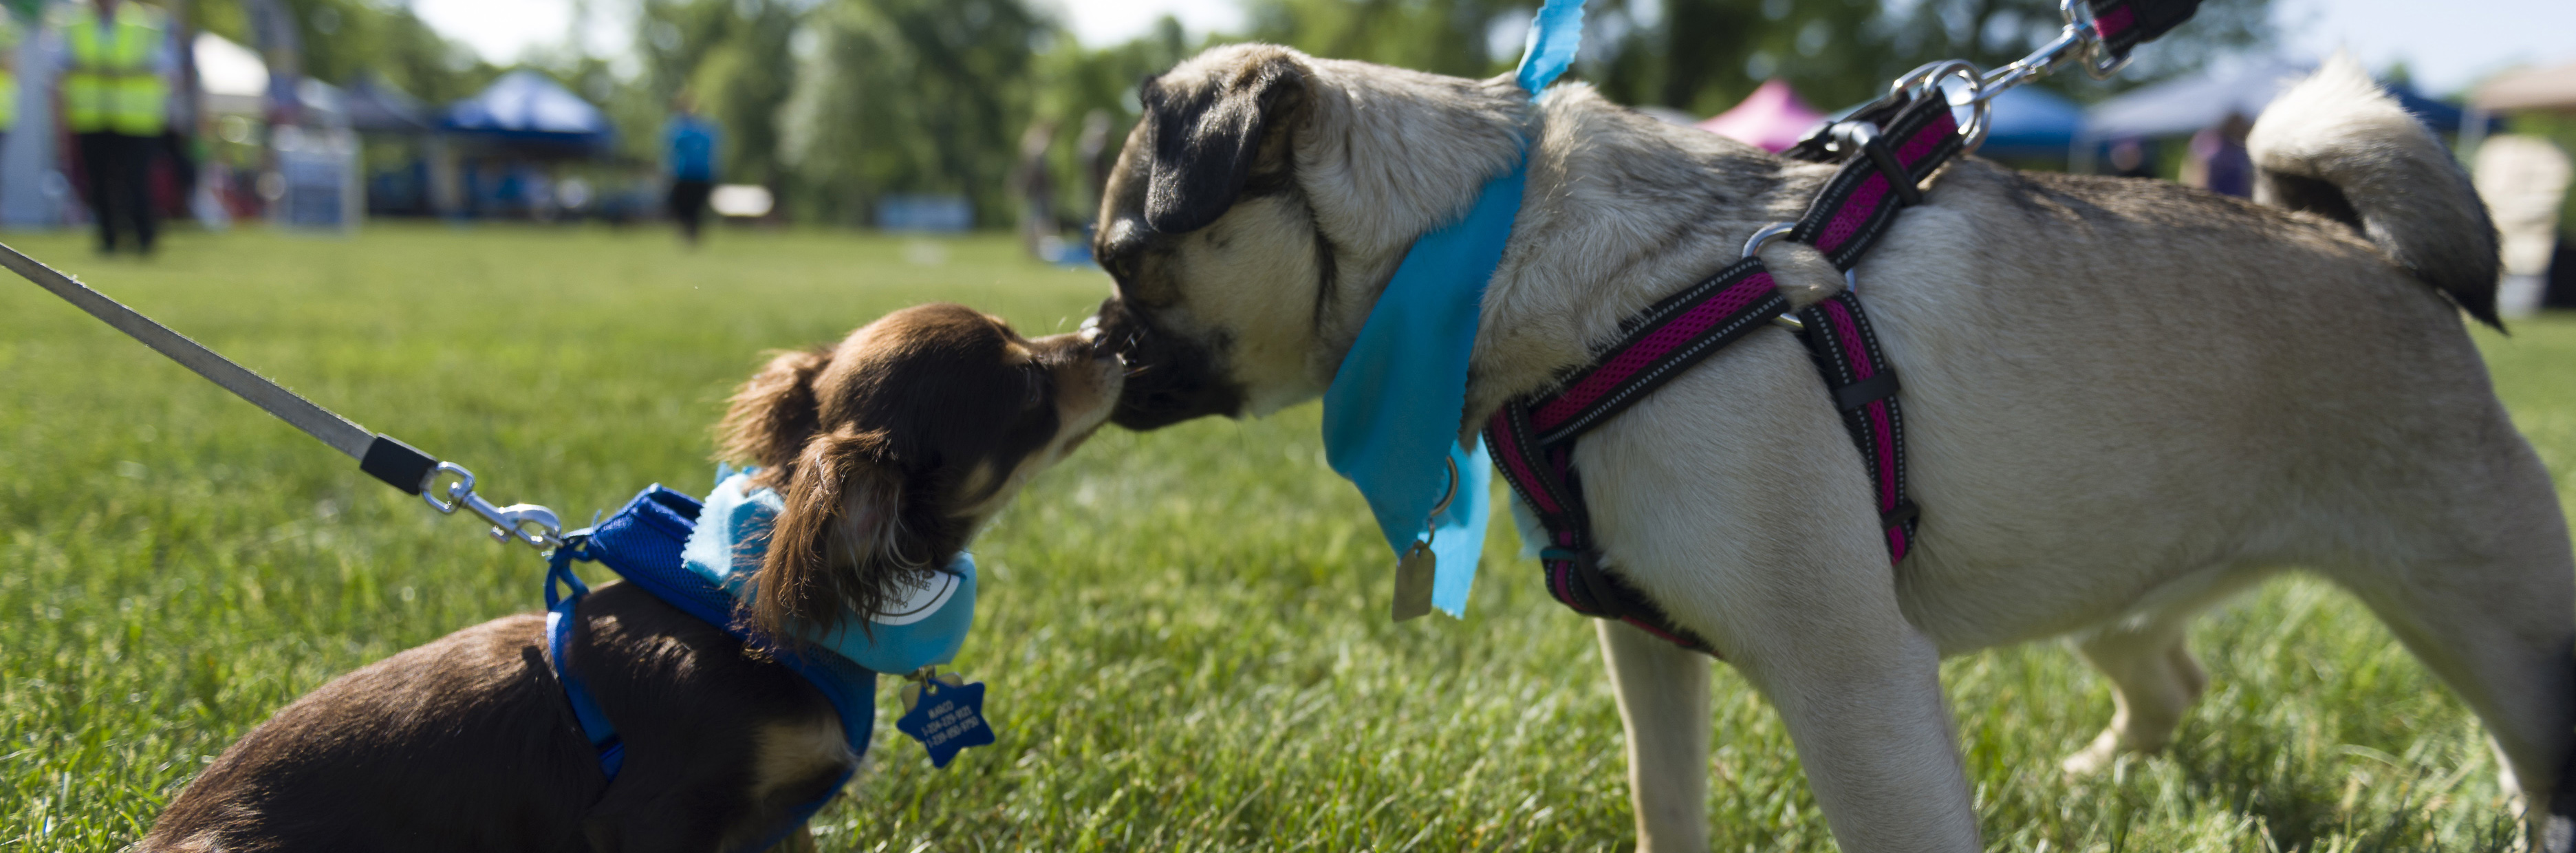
1887, 149
1533, 437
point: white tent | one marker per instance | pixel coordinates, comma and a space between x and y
2530, 89
234, 78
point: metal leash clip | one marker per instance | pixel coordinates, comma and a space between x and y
529, 524
2081, 37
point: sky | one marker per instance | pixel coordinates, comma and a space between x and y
2446, 44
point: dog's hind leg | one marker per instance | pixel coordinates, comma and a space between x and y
2511, 657
2487, 600
2154, 678
1664, 704
2153, 681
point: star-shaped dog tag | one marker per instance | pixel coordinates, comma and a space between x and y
947, 719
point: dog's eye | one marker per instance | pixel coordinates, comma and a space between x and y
1038, 389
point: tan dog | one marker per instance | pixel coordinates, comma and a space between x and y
2127, 400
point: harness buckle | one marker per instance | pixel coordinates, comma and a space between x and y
1904, 513
1863, 137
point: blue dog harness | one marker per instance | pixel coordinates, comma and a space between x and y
645, 543
924, 627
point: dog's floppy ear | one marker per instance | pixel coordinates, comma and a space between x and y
770, 416
844, 508
1207, 137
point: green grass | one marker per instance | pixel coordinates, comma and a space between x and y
1184, 631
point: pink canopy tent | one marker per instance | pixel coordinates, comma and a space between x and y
1772, 117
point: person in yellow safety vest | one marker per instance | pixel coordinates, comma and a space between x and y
116, 98
9, 37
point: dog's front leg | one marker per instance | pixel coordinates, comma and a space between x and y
1663, 702
1866, 712
1733, 501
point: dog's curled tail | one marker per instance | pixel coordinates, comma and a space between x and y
2337, 146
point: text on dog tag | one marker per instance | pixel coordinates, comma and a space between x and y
947, 719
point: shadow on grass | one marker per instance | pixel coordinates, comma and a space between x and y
2298, 811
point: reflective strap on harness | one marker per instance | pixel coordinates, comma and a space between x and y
1658, 345
1862, 199
1839, 339
1532, 438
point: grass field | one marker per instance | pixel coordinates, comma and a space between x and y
1183, 631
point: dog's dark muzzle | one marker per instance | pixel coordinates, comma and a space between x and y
1169, 379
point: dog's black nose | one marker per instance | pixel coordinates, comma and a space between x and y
1169, 379
1112, 328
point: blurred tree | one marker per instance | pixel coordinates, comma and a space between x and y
1993, 32
1841, 52
911, 96
1701, 56
1439, 36
735, 58
1089, 98
343, 38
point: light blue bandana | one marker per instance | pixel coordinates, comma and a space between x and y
1395, 408
925, 626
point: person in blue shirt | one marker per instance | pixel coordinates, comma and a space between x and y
689, 143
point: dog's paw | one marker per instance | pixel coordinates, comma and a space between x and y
2095, 758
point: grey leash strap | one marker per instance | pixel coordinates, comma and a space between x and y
386, 458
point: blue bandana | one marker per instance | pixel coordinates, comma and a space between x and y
1394, 411
925, 626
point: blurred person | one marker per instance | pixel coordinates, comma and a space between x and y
1093, 147
116, 103
10, 35
2218, 161
1034, 183
2523, 180
689, 141
2129, 159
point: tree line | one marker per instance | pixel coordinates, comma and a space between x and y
834, 103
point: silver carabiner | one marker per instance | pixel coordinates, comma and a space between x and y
528, 524
2099, 64
1980, 110
464, 485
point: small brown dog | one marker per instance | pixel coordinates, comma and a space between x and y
892, 449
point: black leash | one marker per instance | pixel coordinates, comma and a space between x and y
382, 456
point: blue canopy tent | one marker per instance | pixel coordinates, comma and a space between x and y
525, 109
2031, 122
2441, 117
509, 142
